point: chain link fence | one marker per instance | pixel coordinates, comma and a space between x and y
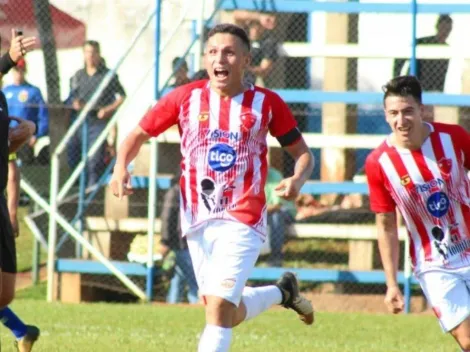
311, 232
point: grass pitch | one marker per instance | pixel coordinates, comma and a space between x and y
139, 327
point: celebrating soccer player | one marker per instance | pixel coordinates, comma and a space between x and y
224, 125
421, 169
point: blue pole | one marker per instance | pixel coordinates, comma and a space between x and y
150, 267
82, 190
413, 71
414, 10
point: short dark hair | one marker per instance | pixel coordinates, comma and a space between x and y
179, 62
233, 30
94, 44
403, 86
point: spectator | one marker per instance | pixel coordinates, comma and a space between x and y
264, 53
82, 87
172, 241
199, 75
281, 214
430, 72
180, 74
25, 101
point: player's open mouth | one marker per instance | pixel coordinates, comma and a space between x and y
404, 129
220, 73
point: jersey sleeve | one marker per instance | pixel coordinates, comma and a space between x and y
380, 199
462, 139
163, 115
282, 121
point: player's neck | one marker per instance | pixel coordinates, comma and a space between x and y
230, 92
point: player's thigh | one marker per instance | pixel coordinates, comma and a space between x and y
198, 255
448, 295
231, 260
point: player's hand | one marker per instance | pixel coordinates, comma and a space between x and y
14, 225
288, 188
22, 132
121, 182
20, 45
394, 300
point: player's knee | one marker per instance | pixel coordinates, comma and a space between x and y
464, 343
219, 311
6, 297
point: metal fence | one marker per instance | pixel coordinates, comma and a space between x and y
326, 59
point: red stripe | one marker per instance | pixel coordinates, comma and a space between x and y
466, 219
403, 172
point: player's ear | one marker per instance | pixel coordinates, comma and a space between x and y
247, 59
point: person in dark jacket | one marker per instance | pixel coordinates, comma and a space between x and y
172, 243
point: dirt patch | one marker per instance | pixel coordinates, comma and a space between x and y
336, 302
25, 279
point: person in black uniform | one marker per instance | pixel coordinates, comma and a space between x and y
11, 138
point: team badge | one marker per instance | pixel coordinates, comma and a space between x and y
23, 96
247, 121
445, 165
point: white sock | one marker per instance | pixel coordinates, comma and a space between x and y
215, 339
259, 299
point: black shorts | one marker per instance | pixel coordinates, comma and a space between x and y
7, 240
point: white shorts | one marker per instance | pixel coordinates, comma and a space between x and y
448, 293
223, 254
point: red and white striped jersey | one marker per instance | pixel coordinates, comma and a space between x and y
431, 189
223, 147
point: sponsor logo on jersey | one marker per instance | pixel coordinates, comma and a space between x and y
216, 134
222, 157
438, 204
433, 185
405, 180
203, 116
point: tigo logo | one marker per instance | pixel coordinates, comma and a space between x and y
438, 204
222, 157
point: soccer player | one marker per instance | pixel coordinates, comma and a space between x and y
224, 125
11, 139
421, 170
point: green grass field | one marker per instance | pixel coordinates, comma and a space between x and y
139, 327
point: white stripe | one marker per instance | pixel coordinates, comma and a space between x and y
240, 169
194, 107
214, 107
256, 110
394, 179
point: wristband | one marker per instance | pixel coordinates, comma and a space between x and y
6, 63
